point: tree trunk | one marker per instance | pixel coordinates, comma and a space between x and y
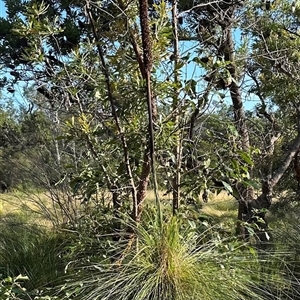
143, 184
249, 208
246, 194
177, 151
105, 71
149, 156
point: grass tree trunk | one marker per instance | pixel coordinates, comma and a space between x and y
144, 60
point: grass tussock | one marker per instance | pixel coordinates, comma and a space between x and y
171, 263
30, 250
182, 259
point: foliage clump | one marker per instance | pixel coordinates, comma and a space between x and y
171, 262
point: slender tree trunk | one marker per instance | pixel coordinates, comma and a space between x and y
149, 157
144, 60
58, 157
143, 185
112, 101
246, 194
176, 102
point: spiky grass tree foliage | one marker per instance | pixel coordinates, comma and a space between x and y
171, 263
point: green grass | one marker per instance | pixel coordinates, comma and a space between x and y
175, 263
187, 258
29, 250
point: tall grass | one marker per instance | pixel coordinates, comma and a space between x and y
181, 259
286, 236
172, 263
29, 250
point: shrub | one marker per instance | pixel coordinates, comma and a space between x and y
12, 289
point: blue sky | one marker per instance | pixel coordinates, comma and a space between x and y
2, 9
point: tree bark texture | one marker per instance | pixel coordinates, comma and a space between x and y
149, 156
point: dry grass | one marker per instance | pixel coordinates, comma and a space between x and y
8, 204
151, 195
220, 205
41, 209
37, 207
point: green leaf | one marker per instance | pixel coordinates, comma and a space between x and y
233, 130
207, 163
197, 60
190, 87
8, 279
192, 224
186, 57
235, 164
179, 65
252, 251
246, 157
252, 183
227, 187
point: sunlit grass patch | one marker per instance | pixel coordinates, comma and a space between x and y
220, 205
38, 207
29, 249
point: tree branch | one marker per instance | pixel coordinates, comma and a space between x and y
112, 103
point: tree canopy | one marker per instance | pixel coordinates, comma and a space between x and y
183, 97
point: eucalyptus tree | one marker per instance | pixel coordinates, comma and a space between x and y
274, 71
249, 48
213, 25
